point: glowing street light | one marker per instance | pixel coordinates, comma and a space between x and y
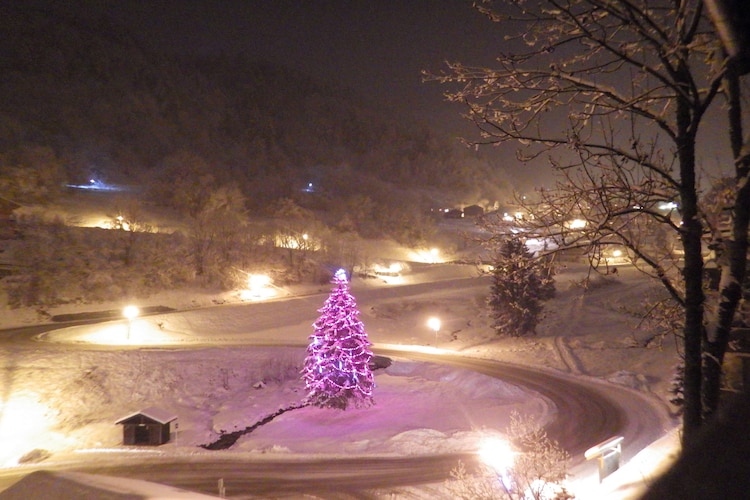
130, 312
258, 281
122, 223
258, 287
434, 323
576, 224
23, 419
498, 455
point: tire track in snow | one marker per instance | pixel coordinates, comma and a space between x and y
571, 318
572, 363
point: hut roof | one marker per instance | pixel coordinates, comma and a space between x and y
156, 414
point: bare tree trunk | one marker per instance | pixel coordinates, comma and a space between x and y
692, 232
616, 176
733, 274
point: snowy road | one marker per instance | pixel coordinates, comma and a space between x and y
302, 477
587, 413
271, 322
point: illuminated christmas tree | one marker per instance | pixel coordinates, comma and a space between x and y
337, 370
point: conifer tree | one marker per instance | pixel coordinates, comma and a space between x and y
336, 370
520, 283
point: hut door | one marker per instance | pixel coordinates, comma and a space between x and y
142, 434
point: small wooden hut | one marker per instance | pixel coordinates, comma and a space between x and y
148, 427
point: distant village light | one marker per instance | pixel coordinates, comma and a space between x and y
428, 256
669, 205
577, 224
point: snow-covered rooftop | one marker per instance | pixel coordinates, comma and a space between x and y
156, 414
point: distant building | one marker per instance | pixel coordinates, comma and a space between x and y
473, 211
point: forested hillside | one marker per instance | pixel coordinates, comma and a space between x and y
82, 98
265, 168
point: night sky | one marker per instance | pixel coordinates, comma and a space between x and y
379, 48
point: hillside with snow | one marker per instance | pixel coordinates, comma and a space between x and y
70, 385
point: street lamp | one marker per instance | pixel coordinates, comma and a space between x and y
257, 287
434, 255
434, 323
130, 313
498, 455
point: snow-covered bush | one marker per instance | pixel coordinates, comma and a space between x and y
537, 471
281, 368
59, 264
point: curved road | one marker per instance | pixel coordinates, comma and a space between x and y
588, 412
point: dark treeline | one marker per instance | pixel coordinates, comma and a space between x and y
82, 98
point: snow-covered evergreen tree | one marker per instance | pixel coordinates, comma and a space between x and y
337, 370
520, 283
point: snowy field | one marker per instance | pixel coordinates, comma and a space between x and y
62, 393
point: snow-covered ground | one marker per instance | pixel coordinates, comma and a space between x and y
61, 395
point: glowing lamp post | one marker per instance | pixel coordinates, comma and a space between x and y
130, 313
434, 324
257, 287
434, 257
498, 455
257, 282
